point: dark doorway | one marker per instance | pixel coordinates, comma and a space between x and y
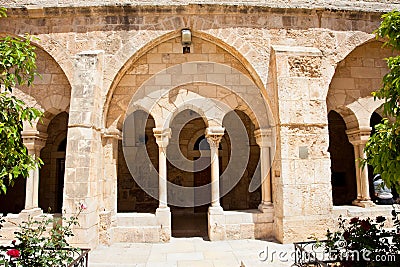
188, 139
60, 183
51, 177
343, 170
191, 224
14, 200
202, 177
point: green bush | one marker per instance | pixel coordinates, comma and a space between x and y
364, 242
42, 243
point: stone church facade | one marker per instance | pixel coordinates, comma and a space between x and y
248, 115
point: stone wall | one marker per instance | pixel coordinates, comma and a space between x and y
370, 5
290, 54
356, 77
160, 57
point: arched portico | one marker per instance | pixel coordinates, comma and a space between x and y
211, 90
349, 96
45, 138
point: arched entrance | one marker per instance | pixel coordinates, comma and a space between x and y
190, 102
189, 166
351, 105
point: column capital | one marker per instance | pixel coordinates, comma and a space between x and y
112, 132
263, 137
162, 136
34, 140
359, 136
214, 135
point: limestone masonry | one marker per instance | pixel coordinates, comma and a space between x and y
250, 129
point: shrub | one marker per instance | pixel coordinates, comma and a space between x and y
364, 242
42, 242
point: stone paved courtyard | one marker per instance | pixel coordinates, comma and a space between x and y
193, 252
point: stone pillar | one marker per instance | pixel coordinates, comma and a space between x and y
301, 169
162, 139
84, 156
216, 218
358, 138
263, 139
214, 136
110, 189
163, 212
34, 142
358, 175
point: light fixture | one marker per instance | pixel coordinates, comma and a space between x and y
186, 40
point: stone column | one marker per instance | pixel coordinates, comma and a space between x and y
162, 139
214, 136
163, 212
84, 170
357, 162
263, 139
34, 142
358, 138
109, 186
301, 174
110, 140
216, 218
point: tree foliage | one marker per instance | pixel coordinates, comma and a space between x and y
383, 148
17, 67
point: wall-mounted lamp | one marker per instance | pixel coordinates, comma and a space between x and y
186, 40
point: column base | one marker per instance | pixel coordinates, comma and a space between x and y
216, 224
31, 212
217, 210
363, 203
163, 216
266, 207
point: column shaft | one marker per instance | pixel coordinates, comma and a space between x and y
265, 176
111, 137
162, 176
357, 156
264, 141
162, 139
214, 177
34, 142
364, 182
358, 138
214, 136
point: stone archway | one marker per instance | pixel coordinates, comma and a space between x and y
190, 168
208, 81
355, 78
50, 94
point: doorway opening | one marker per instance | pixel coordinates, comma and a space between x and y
189, 166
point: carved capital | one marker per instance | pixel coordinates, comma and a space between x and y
34, 141
162, 136
113, 133
214, 135
263, 137
359, 136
